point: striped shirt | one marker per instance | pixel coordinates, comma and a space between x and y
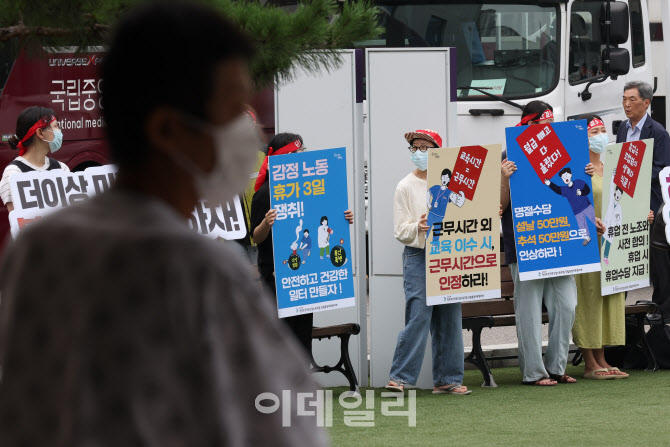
10, 170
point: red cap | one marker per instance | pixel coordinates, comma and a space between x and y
425, 134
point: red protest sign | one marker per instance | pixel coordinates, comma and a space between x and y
467, 170
628, 167
544, 150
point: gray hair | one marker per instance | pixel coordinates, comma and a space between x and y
644, 89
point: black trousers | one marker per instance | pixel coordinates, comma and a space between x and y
659, 272
300, 325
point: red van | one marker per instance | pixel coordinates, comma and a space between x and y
70, 84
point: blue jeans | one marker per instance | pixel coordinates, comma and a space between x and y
444, 322
560, 298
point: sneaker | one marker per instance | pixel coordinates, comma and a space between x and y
586, 241
607, 261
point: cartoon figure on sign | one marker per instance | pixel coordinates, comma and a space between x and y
305, 245
324, 237
613, 217
577, 194
294, 259
439, 197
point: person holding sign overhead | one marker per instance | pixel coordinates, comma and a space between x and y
262, 220
37, 135
599, 320
410, 226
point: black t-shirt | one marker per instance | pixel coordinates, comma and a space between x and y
260, 205
508, 229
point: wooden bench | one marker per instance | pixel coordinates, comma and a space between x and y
478, 315
343, 332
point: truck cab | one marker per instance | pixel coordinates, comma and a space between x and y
519, 51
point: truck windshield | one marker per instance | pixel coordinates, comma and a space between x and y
510, 50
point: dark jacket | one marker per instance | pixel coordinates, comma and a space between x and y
652, 129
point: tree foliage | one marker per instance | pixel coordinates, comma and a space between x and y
306, 37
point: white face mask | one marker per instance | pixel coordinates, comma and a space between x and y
237, 144
598, 142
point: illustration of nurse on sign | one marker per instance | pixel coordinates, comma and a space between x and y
439, 197
613, 217
577, 194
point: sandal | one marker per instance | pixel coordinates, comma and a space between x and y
563, 378
395, 386
538, 382
614, 373
451, 389
593, 376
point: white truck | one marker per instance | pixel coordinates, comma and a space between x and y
518, 51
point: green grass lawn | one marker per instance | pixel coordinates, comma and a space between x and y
633, 411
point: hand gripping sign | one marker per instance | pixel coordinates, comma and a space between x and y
544, 150
628, 167
37, 194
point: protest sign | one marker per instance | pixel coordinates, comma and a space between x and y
310, 236
552, 201
625, 205
36, 194
462, 251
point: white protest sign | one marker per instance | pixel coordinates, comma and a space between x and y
37, 194
664, 178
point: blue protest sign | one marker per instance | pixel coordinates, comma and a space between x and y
552, 200
311, 241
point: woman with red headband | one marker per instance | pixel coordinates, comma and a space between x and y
599, 320
37, 135
536, 112
558, 294
262, 219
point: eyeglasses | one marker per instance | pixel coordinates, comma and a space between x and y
422, 148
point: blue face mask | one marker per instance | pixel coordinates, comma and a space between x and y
598, 142
420, 159
57, 142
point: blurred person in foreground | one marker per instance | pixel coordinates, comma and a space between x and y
118, 325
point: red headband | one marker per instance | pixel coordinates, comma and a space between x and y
43, 122
595, 122
526, 119
263, 172
547, 115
